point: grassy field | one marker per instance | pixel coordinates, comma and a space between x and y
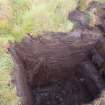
27, 16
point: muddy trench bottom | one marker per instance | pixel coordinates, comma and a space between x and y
63, 92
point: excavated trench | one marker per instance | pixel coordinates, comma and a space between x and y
55, 70
61, 68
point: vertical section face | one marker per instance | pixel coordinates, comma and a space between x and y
23, 88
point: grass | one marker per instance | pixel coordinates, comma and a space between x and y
28, 16
7, 93
36, 16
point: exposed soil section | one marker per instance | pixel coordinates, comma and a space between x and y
61, 68
52, 70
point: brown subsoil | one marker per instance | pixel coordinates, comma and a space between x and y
55, 70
